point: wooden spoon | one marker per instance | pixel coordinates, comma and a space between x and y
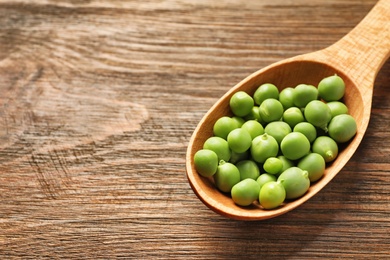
357, 58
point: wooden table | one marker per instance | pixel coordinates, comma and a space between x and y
98, 102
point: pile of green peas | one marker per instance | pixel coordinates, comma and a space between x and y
277, 142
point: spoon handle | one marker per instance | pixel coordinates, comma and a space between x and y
363, 51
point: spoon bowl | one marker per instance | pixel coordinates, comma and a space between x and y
356, 58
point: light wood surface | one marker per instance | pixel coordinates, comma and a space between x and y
99, 100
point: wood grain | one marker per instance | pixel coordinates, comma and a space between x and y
98, 102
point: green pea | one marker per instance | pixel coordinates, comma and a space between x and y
263, 147
326, 147
342, 128
220, 146
264, 92
270, 121
237, 157
271, 110
253, 127
264, 178
337, 108
227, 176
273, 165
206, 162
241, 103
287, 163
318, 114
314, 164
245, 192
295, 145
331, 88
239, 121
278, 130
307, 129
303, 94
254, 115
223, 126
239, 140
286, 97
248, 169
292, 116
272, 195
295, 181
